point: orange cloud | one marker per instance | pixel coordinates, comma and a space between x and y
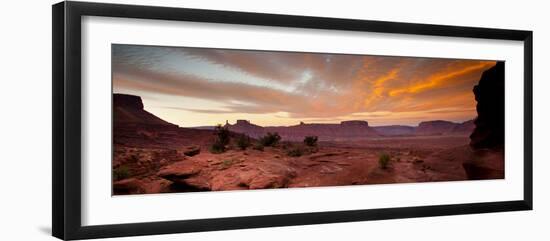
378, 87
439, 79
306, 86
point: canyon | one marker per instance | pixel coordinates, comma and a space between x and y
151, 155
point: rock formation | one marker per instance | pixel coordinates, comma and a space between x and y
227, 175
245, 127
134, 126
487, 139
489, 124
128, 110
346, 130
351, 130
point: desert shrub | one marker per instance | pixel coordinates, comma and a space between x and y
222, 134
120, 173
258, 147
222, 139
384, 160
295, 152
270, 139
310, 140
243, 142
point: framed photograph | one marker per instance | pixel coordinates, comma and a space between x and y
169, 120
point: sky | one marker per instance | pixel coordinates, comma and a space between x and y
203, 87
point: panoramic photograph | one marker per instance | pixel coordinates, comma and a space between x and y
189, 119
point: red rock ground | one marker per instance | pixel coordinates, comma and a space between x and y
413, 159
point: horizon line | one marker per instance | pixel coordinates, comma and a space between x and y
335, 123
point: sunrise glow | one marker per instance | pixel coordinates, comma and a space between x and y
200, 87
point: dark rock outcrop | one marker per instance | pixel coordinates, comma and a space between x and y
133, 126
489, 124
487, 139
127, 101
128, 110
192, 151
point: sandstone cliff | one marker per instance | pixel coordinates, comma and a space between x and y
489, 124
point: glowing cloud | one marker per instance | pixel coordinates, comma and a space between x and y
197, 86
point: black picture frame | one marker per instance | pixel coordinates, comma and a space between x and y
66, 127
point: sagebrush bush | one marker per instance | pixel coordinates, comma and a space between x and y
310, 140
222, 134
270, 139
221, 140
243, 142
384, 160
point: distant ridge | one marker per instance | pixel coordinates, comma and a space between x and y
346, 130
395, 130
350, 129
441, 127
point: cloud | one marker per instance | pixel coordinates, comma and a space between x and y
303, 85
207, 111
438, 79
268, 65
